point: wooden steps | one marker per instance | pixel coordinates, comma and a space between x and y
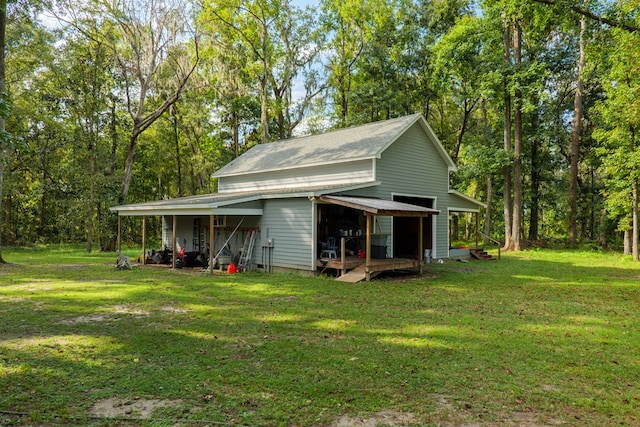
354, 276
480, 254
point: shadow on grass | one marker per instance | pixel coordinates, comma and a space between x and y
533, 335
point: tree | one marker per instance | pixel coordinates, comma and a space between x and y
576, 136
620, 117
349, 22
151, 53
4, 108
272, 43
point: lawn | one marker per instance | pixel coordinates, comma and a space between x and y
540, 338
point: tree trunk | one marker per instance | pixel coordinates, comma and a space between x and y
576, 134
455, 228
534, 213
634, 236
128, 165
602, 238
3, 150
506, 170
92, 191
176, 138
516, 233
114, 137
264, 87
236, 132
626, 239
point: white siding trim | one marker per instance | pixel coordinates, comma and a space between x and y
314, 230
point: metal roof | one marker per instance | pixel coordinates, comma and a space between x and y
207, 203
380, 207
344, 145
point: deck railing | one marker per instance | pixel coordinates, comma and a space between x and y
493, 241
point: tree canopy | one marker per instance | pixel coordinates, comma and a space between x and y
110, 101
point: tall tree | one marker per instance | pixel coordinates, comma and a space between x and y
506, 186
516, 231
4, 108
576, 136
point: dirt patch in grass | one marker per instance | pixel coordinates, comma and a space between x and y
135, 408
106, 316
448, 414
174, 310
382, 418
86, 319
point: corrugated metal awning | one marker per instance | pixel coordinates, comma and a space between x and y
380, 207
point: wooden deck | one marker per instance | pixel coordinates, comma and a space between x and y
354, 270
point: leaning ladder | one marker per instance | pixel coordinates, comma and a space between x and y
247, 250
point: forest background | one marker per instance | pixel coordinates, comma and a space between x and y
121, 101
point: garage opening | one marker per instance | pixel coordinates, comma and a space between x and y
406, 229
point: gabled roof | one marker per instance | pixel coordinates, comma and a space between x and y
344, 145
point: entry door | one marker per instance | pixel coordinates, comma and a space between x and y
405, 230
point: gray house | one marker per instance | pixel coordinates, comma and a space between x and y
374, 192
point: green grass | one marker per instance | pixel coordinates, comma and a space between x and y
539, 338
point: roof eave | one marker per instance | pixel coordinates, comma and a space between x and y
468, 198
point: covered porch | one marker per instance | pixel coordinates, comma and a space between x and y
365, 266
193, 222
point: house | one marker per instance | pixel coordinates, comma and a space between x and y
379, 190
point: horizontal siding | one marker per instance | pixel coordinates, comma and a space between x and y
459, 203
289, 222
332, 174
413, 166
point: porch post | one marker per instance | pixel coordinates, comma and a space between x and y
173, 251
367, 264
343, 255
420, 246
211, 235
477, 227
144, 240
119, 233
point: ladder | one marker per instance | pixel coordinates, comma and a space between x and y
247, 250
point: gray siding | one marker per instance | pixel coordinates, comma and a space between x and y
412, 166
289, 222
332, 174
460, 204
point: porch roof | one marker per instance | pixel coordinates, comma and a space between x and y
233, 203
380, 207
